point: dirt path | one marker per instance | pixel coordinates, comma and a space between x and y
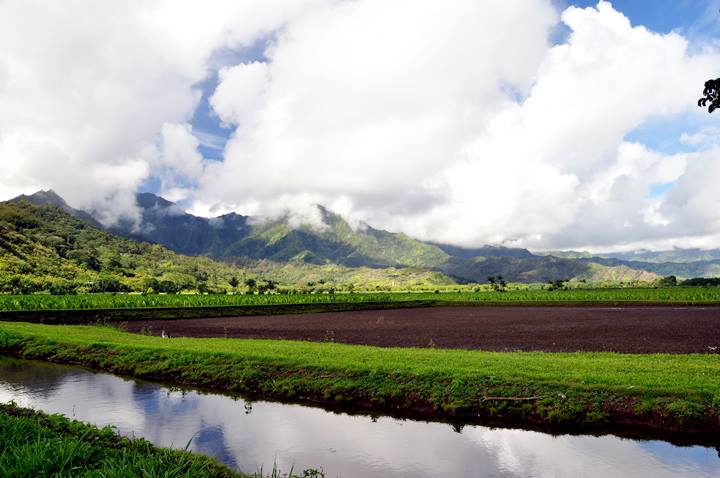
618, 329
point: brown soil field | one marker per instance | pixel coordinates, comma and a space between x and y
552, 329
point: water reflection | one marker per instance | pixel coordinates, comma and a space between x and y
246, 435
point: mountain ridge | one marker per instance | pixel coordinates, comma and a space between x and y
44, 248
51, 198
339, 243
236, 238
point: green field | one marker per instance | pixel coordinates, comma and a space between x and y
667, 393
670, 295
34, 444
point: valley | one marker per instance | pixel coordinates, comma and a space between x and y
359, 320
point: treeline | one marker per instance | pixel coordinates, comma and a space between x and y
702, 282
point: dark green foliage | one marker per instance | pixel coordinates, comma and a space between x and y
702, 282
668, 281
558, 284
44, 248
234, 283
497, 283
251, 284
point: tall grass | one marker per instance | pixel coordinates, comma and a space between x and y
33, 444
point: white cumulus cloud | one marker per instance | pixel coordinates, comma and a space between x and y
86, 84
457, 122
464, 124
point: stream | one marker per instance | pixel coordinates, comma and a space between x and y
247, 435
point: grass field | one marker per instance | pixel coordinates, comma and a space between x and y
34, 444
671, 295
667, 393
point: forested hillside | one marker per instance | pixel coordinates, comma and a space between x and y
332, 254
45, 248
341, 253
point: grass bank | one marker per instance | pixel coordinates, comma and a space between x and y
663, 395
34, 444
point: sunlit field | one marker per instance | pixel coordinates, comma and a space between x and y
671, 295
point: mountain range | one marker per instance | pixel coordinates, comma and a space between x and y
332, 252
336, 251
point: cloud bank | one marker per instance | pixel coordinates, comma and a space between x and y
86, 87
463, 125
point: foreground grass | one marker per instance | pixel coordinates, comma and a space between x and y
670, 295
666, 393
34, 444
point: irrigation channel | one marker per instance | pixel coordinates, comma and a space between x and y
247, 435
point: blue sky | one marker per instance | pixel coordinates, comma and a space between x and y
212, 133
687, 16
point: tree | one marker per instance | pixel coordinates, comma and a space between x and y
234, 283
497, 283
270, 284
711, 95
703, 282
558, 284
251, 284
668, 281
108, 284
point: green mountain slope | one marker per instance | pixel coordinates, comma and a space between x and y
45, 248
301, 276
336, 242
682, 263
51, 198
234, 238
333, 252
682, 270
164, 222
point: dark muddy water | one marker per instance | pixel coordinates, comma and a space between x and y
247, 435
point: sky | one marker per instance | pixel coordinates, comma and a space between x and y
544, 124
